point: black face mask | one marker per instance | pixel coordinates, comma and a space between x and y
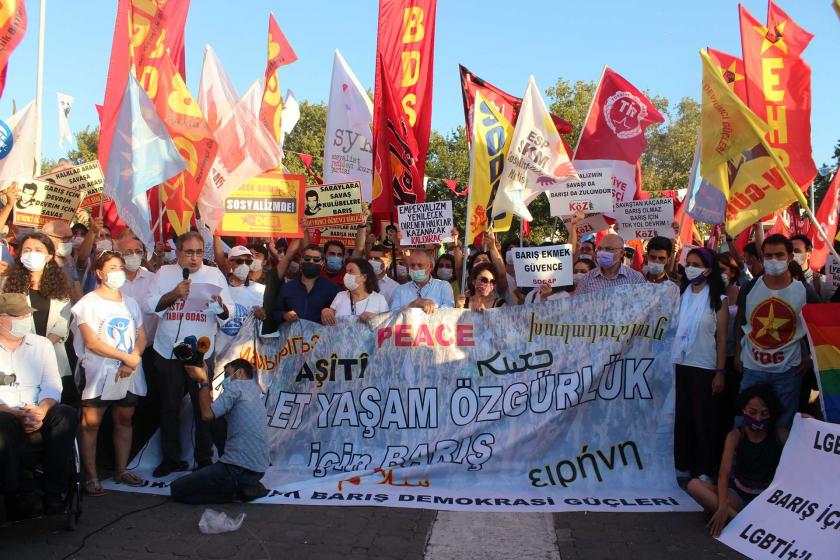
310, 270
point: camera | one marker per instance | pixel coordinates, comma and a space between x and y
191, 351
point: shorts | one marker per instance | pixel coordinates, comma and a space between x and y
130, 399
745, 497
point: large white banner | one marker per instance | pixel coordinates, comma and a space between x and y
559, 406
798, 516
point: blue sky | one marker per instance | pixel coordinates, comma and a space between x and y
653, 43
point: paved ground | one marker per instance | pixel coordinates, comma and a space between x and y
170, 532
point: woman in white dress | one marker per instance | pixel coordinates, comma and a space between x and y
109, 344
361, 299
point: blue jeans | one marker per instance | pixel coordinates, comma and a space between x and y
218, 483
786, 385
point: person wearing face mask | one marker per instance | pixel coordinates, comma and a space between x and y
62, 238
423, 291
481, 286
169, 296
109, 341
260, 255
750, 458
237, 473
29, 408
307, 296
587, 250
726, 402
446, 270
247, 295
379, 258
36, 275
361, 298
658, 254
699, 354
610, 271
769, 329
333, 269
802, 248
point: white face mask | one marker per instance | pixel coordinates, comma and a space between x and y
242, 271
256, 265
444, 273
772, 267
351, 281
115, 279
169, 256
104, 245
509, 257
800, 258
63, 249
376, 266
34, 262
578, 276
77, 242
402, 271
133, 262
725, 277
655, 268
692, 272
20, 327
294, 268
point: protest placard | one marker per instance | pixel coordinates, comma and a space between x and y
590, 224
344, 234
543, 266
798, 515
86, 178
643, 219
267, 205
333, 205
591, 193
832, 271
429, 222
41, 202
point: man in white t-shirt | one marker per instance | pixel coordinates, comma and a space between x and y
30, 388
191, 300
379, 258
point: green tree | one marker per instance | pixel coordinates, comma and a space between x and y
667, 161
307, 138
822, 182
448, 158
87, 146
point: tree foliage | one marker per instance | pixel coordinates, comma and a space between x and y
823, 180
307, 138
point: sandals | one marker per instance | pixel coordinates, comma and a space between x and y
93, 488
127, 478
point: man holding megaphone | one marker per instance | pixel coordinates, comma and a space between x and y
192, 300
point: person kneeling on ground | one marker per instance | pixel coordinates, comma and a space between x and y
237, 474
750, 457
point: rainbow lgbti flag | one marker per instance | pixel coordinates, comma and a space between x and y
822, 321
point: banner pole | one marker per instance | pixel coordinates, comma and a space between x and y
591, 104
521, 233
39, 89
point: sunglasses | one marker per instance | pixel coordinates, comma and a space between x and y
241, 261
485, 280
308, 258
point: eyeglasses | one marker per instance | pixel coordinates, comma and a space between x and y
485, 280
610, 248
132, 253
310, 258
193, 252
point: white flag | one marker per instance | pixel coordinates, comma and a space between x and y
348, 152
65, 105
246, 147
290, 116
537, 158
20, 162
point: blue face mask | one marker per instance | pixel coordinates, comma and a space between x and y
417, 275
334, 263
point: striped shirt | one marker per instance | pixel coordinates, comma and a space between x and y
595, 280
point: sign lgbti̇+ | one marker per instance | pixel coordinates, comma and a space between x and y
428, 222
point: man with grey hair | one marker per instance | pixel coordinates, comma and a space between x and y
423, 291
191, 300
610, 271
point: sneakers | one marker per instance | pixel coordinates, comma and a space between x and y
167, 467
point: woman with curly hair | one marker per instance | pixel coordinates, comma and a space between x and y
480, 286
36, 275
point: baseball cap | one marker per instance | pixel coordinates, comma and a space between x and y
239, 251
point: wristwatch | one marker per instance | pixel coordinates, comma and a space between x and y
202, 385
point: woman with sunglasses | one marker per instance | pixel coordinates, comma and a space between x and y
361, 299
109, 344
481, 286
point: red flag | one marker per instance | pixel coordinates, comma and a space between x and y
743, 239
396, 160
614, 133
452, 185
307, 161
280, 53
779, 226
405, 60
12, 29
827, 218
507, 104
732, 69
779, 87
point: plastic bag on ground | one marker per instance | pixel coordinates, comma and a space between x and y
213, 522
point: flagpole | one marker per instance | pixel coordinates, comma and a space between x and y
39, 88
591, 104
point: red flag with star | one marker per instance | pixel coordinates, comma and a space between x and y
732, 69
779, 87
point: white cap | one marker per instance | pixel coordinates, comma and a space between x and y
239, 251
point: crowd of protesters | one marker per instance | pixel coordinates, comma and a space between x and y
110, 315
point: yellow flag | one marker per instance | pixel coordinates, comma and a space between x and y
492, 134
735, 156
